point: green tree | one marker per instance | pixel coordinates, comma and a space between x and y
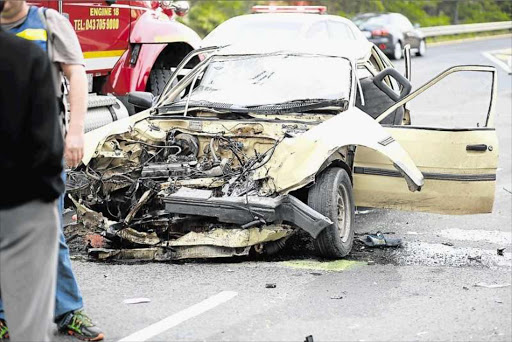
205, 15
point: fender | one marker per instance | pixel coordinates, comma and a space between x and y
296, 161
126, 77
152, 28
154, 32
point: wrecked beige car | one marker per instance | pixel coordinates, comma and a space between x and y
255, 144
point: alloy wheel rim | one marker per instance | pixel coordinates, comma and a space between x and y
422, 47
343, 219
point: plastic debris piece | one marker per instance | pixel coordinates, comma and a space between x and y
270, 286
381, 240
491, 286
447, 244
309, 338
371, 262
500, 251
137, 300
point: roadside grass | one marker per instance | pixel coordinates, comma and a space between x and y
446, 38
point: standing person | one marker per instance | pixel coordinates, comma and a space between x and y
30, 168
54, 34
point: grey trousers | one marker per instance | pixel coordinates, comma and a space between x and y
28, 268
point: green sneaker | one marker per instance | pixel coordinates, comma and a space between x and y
4, 331
78, 324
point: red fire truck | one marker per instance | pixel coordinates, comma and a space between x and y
128, 46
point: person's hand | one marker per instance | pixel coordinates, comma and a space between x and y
74, 148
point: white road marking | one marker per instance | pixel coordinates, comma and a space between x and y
180, 317
505, 66
492, 236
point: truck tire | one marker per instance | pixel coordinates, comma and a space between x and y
158, 79
332, 196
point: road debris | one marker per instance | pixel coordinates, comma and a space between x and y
477, 258
491, 286
370, 262
447, 244
309, 339
337, 297
465, 288
270, 286
139, 300
500, 251
381, 240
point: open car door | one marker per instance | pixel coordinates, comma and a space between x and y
459, 164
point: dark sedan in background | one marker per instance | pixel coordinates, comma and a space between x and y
391, 32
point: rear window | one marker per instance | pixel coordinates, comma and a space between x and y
380, 20
243, 31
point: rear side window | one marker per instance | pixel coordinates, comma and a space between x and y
338, 30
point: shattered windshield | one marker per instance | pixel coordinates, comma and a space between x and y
257, 80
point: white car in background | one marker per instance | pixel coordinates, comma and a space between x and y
284, 23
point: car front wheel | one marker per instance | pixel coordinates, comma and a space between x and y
422, 49
332, 196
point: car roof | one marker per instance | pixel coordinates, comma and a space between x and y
304, 18
303, 21
351, 49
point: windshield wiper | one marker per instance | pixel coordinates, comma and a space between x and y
297, 106
217, 106
301, 106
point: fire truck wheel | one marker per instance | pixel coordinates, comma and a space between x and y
158, 79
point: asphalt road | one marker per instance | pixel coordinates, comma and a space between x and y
423, 291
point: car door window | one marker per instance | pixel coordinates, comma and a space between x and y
340, 31
318, 31
460, 97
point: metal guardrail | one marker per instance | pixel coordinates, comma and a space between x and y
434, 31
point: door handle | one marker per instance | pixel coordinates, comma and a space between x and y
477, 147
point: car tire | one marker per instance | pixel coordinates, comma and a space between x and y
397, 51
158, 79
422, 48
332, 196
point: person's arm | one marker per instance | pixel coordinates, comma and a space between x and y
67, 52
45, 129
74, 144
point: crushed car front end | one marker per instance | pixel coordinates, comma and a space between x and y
220, 166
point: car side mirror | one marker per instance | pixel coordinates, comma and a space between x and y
406, 86
180, 7
416, 25
141, 99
